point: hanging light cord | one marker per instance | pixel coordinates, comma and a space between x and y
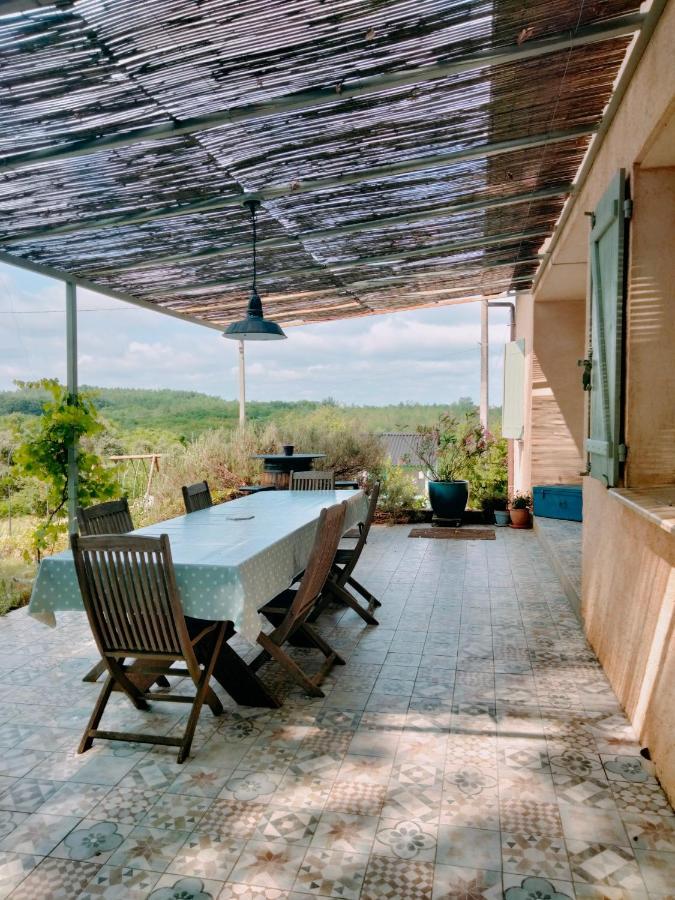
255, 268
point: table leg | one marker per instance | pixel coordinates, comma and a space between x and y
231, 671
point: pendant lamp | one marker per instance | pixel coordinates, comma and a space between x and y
255, 327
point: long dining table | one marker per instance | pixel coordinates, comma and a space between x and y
230, 560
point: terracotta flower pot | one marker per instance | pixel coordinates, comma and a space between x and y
520, 518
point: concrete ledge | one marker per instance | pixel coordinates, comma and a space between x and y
549, 538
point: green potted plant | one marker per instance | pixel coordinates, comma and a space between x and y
447, 449
520, 510
495, 510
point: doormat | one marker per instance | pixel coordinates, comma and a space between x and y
454, 534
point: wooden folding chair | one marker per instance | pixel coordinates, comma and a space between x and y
196, 496
290, 609
132, 602
344, 564
112, 517
312, 481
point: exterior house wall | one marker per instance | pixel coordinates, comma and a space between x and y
628, 578
628, 612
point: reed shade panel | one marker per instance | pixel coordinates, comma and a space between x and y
418, 190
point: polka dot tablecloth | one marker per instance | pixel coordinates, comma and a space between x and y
230, 559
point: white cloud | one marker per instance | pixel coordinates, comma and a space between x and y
423, 355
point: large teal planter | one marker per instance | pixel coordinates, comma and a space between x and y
448, 498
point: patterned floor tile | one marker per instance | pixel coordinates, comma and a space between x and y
530, 816
406, 839
74, 799
232, 817
309, 793
38, 834
169, 887
650, 832
151, 773
535, 854
469, 810
119, 883
658, 871
639, 798
397, 879
627, 768
287, 825
588, 824
16, 761
269, 864
581, 791
365, 770
125, 805
27, 794
92, 840
200, 781
332, 873
359, 799
56, 879
408, 802
596, 863
176, 811
149, 848
534, 887
472, 847
9, 821
462, 883
344, 831
210, 856
250, 787
14, 867
252, 892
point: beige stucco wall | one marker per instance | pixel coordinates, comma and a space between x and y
628, 583
650, 324
628, 611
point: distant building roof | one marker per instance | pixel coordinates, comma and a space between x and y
402, 447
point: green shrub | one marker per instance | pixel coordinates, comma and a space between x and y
398, 493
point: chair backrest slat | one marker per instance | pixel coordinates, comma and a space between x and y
112, 517
129, 591
364, 529
328, 534
196, 496
312, 481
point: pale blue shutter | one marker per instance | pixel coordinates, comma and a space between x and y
513, 404
606, 254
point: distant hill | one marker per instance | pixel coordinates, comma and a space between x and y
188, 413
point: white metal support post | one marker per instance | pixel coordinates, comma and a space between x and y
71, 384
484, 360
242, 385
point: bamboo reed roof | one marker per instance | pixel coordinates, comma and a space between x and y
406, 152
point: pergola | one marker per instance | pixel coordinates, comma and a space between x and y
406, 153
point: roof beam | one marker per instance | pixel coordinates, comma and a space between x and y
275, 192
410, 218
383, 259
13, 7
347, 90
270, 290
60, 275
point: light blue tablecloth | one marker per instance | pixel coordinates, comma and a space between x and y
226, 567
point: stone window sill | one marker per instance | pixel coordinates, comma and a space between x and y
657, 503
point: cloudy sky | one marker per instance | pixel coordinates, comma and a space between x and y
423, 356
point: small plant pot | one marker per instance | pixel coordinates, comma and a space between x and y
520, 518
502, 517
288, 449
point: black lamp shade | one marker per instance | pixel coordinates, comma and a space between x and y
254, 327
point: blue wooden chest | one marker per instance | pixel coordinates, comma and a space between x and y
558, 501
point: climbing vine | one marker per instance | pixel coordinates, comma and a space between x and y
67, 419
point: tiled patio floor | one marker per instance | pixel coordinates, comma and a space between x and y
471, 746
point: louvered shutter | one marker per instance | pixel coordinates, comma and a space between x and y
606, 254
513, 404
